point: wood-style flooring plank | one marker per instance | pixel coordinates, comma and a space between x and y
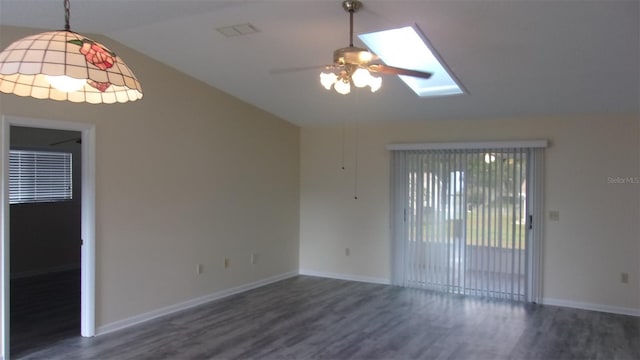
44, 310
314, 318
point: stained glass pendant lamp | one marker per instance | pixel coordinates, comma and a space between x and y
66, 66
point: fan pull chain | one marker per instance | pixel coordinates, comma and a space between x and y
344, 140
355, 165
356, 146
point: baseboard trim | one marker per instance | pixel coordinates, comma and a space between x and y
137, 319
545, 301
45, 271
348, 277
591, 307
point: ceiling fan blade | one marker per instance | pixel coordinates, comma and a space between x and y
298, 68
392, 70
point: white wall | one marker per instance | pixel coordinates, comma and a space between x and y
186, 175
596, 239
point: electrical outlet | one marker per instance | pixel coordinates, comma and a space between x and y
554, 215
226, 263
624, 278
199, 269
347, 251
254, 259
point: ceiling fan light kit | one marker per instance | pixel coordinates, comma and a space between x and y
66, 66
352, 65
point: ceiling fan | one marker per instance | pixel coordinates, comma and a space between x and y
354, 65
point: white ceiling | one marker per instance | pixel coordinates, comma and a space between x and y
515, 58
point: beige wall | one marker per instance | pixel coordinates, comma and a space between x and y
187, 175
596, 239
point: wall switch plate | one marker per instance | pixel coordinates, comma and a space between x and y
254, 258
226, 263
347, 251
624, 278
199, 269
554, 215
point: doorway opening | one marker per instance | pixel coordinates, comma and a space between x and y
44, 226
29, 269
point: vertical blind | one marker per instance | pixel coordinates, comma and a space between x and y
462, 219
39, 176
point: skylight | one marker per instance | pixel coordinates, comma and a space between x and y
404, 48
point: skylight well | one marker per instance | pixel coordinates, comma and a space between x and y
405, 48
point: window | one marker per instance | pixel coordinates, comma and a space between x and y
405, 48
461, 220
39, 176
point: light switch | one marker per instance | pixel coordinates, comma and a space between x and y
554, 215
624, 278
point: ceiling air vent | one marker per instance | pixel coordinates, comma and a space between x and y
238, 30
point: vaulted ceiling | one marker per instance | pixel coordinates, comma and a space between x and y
515, 58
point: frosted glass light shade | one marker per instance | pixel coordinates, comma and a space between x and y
361, 77
327, 79
375, 83
342, 87
27, 64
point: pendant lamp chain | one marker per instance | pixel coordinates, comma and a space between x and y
67, 11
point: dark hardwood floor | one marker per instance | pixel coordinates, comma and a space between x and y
314, 318
44, 310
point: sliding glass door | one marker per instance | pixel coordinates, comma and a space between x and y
465, 221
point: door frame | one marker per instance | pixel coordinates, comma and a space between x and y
87, 131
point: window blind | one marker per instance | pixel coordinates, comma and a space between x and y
39, 176
461, 220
